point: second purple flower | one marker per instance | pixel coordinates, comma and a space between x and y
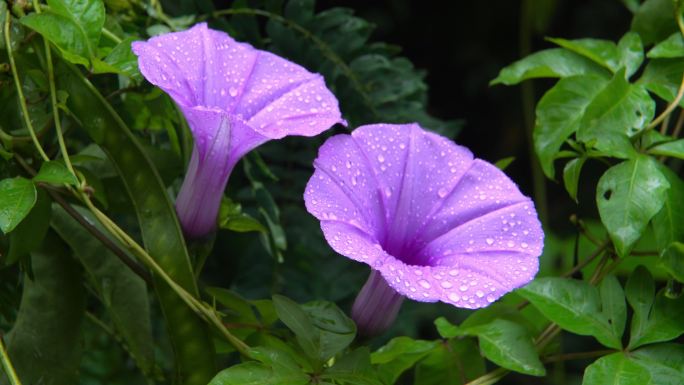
432, 222
234, 98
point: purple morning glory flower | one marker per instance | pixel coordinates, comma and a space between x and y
234, 98
433, 223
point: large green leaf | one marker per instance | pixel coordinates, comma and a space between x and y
123, 293
628, 196
619, 111
559, 114
509, 345
613, 304
17, 197
550, 63
574, 305
398, 355
45, 341
74, 26
159, 227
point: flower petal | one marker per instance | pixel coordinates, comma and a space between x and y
413, 168
344, 189
207, 68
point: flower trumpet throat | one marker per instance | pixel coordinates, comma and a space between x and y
234, 98
432, 222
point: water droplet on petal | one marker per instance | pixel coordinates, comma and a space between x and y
233, 91
489, 241
424, 283
454, 297
442, 192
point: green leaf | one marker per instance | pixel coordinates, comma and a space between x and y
674, 149
503, 163
398, 355
446, 329
616, 369
654, 20
74, 26
44, 344
120, 60
571, 174
619, 111
55, 172
237, 306
336, 330
630, 52
640, 293
664, 362
672, 47
28, 235
297, 320
628, 195
123, 293
17, 197
453, 362
509, 345
574, 305
232, 218
672, 260
664, 322
559, 114
255, 373
668, 224
603, 52
550, 63
613, 304
663, 77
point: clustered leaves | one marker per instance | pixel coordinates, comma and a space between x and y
98, 285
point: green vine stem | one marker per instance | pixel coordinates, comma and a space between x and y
7, 364
20, 92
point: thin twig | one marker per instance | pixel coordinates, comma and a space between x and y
577, 356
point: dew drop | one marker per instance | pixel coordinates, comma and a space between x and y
463, 288
425, 284
523, 245
446, 284
479, 293
454, 297
489, 241
442, 192
510, 244
381, 158
453, 272
233, 91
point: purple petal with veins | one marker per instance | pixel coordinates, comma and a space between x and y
234, 98
433, 222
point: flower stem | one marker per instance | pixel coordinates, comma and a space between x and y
490, 378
